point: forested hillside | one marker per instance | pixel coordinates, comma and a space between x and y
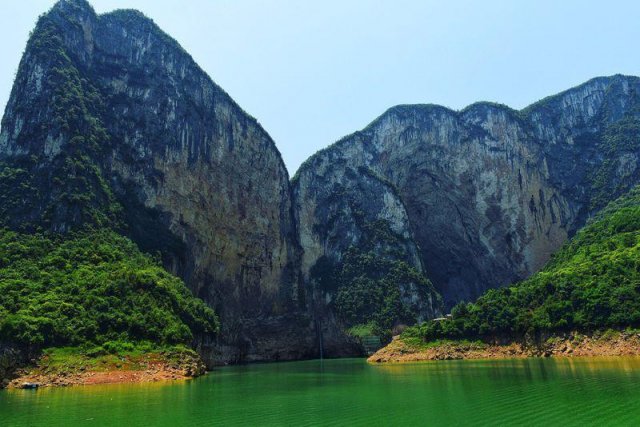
92, 289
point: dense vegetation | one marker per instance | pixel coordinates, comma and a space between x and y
92, 289
592, 282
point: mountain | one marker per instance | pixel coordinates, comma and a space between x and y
485, 194
111, 124
112, 132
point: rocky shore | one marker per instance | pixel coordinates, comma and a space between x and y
130, 369
608, 343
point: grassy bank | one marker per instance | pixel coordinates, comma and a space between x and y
67, 366
609, 342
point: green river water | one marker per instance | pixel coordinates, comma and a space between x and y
350, 392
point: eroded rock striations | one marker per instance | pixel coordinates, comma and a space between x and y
111, 123
490, 193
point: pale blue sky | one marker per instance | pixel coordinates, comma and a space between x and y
312, 72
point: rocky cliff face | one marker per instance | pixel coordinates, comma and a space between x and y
111, 123
360, 259
490, 193
345, 202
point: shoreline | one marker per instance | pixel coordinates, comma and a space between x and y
157, 367
609, 343
74, 370
85, 378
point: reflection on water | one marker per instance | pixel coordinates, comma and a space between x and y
351, 392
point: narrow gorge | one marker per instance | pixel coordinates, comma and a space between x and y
112, 125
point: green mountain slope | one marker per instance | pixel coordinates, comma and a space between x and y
93, 288
593, 282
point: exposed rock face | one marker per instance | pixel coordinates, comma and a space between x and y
111, 123
490, 193
349, 209
11, 359
340, 205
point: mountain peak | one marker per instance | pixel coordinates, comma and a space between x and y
73, 6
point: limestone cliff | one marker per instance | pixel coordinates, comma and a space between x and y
490, 193
111, 123
361, 262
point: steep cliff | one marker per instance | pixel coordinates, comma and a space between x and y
490, 193
111, 123
362, 264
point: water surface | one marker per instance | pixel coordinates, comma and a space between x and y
351, 392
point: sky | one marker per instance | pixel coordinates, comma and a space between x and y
314, 71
